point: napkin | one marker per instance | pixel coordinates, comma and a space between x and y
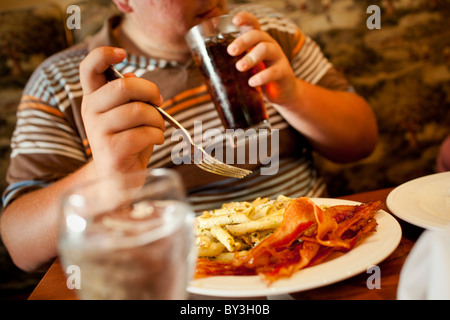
426, 272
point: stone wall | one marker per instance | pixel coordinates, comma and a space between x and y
403, 71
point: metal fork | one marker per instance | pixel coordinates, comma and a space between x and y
198, 155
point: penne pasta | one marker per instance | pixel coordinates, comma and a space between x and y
221, 220
207, 247
265, 223
224, 237
238, 226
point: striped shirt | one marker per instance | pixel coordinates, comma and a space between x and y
49, 141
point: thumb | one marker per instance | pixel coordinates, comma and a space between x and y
92, 68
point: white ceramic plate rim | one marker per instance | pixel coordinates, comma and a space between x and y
373, 250
402, 202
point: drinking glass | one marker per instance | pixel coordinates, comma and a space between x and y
239, 105
130, 236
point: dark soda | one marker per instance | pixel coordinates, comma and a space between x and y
238, 104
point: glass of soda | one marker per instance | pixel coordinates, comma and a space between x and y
239, 105
130, 236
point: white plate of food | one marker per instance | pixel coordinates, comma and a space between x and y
424, 202
372, 250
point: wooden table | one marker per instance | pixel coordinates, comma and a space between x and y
53, 284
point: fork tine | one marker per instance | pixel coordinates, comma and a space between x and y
221, 173
203, 160
224, 171
215, 171
232, 170
223, 167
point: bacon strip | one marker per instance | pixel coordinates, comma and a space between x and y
299, 215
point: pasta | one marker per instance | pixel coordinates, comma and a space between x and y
237, 226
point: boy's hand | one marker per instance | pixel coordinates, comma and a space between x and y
121, 129
277, 80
